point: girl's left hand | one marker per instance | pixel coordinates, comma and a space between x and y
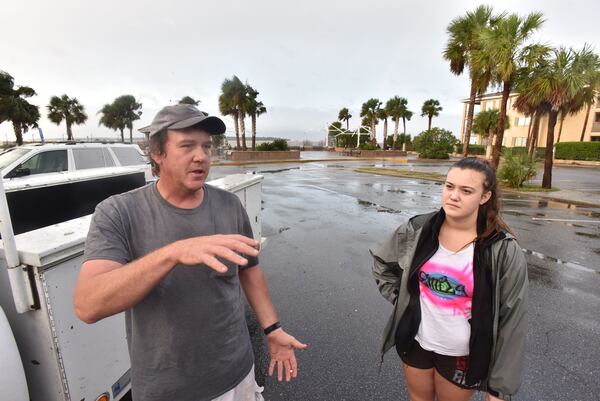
489, 397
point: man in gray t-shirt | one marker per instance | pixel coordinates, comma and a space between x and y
174, 256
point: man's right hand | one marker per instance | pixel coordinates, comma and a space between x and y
206, 250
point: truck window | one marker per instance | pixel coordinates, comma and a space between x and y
128, 156
53, 161
91, 158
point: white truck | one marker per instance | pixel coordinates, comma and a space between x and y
47, 354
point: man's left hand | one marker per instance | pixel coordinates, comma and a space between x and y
489, 397
281, 349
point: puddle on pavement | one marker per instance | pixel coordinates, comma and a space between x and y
514, 213
561, 262
378, 208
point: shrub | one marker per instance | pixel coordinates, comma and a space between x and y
516, 169
277, 144
436, 143
540, 153
400, 140
368, 146
349, 140
578, 151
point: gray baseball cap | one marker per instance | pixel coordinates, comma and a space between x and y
181, 116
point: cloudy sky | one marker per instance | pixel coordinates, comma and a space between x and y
307, 58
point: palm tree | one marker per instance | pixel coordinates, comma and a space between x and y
111, 119
463, 43
405, 114
431, 108
67, 109
344, 115
588, 96
128, 109
396, 110
369, 112
486, 122
504, 46
189, 100
254, 108
14, 107
557, 83
233, 102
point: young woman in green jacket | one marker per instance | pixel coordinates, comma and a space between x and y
458, 282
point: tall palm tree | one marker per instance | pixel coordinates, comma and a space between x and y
396, 108
129, 110
589, 95
111, 119
383, 116
14, 107
486, 122
255, 108
431, 108
504, 45
369, 112
464, 41
233, 102
189, 100
344, 115
557, 83
68, 110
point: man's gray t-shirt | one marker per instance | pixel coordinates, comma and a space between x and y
188, 338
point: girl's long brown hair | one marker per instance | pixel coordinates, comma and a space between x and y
489, 221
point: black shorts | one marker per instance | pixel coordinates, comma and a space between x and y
452, 368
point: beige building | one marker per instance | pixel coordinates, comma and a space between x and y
516, 135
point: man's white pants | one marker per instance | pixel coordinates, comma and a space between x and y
247, 390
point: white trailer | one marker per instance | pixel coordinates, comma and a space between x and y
62, 358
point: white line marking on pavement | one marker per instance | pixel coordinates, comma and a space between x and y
567, 220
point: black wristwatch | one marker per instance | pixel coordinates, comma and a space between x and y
272, 328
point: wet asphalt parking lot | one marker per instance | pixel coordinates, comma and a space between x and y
319, 220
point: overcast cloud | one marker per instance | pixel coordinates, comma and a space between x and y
307, 58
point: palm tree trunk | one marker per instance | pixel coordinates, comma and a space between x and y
69, 132
130, 134
535, 130
562, 119
237, 130
395, 137
385, 125
547, 178
470, 113
529, 131
405, 137
429, 126
488, 148
501, 123
373, 131
347, 124
243, 131
122, 135
587, 117
253, 117
18, 134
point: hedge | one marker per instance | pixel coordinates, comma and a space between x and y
540, 153
578, 151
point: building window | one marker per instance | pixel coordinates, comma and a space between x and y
522, 121
597, 118
595, 139
520, 141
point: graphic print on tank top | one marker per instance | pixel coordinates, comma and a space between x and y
449, 288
